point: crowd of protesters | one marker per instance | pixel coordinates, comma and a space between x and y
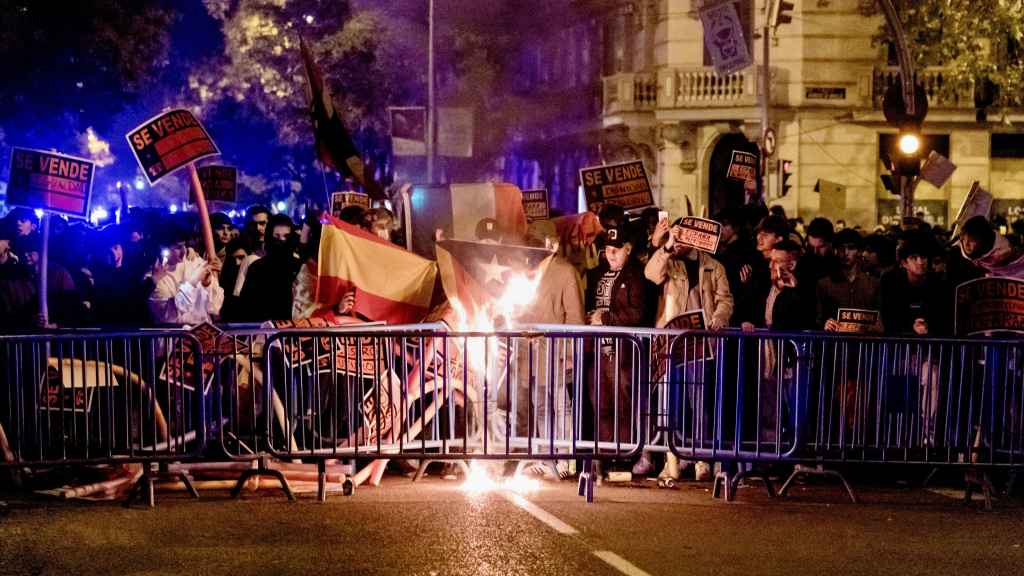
151, 270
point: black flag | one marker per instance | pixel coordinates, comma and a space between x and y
334, 146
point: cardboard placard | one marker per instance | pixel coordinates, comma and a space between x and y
937, 169
667, 350
352, 356
535, 204
700, 233
178, 369
220, 184
978, 202
51, 181
169, 141
742, 167
723, 38
342, 200
989, 304
625, 184
856, 321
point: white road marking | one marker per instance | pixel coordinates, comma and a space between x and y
540, 514
611, 558
620, 563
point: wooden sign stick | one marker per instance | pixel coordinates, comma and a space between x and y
204, 212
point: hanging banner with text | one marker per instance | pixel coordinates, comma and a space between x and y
931, 211
408, 130
743, 167
535, 204
990, 305
854, 321
50, 181
700, 233
169, 141
723, 38
220, 184
624, 185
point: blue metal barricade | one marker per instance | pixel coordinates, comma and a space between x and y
98, 398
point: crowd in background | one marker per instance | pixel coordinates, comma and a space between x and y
151, 270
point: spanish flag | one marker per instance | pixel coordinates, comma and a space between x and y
391, 284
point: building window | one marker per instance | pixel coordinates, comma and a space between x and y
745, 10
1008, 145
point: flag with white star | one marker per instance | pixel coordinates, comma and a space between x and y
478, 272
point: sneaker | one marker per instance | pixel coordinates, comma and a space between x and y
643, 466
702, 472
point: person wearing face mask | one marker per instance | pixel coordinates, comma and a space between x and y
119, 300
235, 254
267, 291
615, 297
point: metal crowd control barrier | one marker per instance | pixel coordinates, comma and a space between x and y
828, 399
418, 392
86, 398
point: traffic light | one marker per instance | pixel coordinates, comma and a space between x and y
785, 171
778, 13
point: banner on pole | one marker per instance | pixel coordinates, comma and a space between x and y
51, 181
455, 132
408, 130
169, 141
625, 184
220, 184
723, 38
535, 204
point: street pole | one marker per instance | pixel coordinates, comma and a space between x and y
908, 79
765, 107
431, 110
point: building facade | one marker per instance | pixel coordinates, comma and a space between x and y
827, 76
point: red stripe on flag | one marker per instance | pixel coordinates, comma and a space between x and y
382, 309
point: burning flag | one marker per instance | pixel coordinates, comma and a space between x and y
391, 284
487, 280
334, 146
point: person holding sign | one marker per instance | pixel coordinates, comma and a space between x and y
689, 280
849, 286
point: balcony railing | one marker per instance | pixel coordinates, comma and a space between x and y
941, 91
692, 87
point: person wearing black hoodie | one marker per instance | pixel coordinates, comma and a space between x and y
267, 292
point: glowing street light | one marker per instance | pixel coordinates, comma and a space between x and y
909, 143
309, 18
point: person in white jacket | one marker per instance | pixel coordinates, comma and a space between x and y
187, 291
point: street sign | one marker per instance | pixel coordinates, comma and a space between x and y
624, 185
169, 141
51, 181
220, 183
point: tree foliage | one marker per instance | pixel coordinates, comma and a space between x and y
980, 45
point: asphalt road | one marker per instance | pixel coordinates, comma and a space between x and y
434, 528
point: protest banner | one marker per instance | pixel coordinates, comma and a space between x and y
937, 169
742, 167
220, 183
678, 349
700, 233
625, 184
856, 321
535, 204
51, 181
178, 368
169, 141
342, 200
994, 304
723, 38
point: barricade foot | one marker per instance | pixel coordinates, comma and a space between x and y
981, 480
586, 485
348, 487
321, 481
730, 484
722, 483
263, 470
187, 481
143, 488
800, 470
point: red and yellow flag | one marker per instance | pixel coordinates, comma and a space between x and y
391, 284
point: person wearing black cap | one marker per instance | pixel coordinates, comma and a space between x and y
849, 286
915, 300
615, 297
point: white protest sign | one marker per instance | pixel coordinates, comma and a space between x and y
723, 38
